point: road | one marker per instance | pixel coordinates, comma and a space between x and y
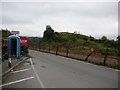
45, 70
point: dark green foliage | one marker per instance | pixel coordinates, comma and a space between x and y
118, 38
48, 33
5, 33
4, 49
24, 50
77, 41
34, 41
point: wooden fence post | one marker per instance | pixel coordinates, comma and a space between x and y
67, 51
34, 47
49, 48
57, 50
40, 48
91, 51
105, 59
86, 59
43, 48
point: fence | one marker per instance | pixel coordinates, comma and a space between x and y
106, 60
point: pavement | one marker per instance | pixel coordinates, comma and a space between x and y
5, 66
46, 70
5, 69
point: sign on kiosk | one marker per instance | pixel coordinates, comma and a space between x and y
23, 41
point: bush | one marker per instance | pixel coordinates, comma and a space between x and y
24, 50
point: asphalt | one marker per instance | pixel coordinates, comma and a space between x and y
5, 66
45, 70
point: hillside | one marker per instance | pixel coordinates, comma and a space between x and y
73, 41
77, 41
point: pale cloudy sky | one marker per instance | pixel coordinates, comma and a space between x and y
89, 18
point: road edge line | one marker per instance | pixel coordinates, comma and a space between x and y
42, 85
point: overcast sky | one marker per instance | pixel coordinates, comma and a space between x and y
89, 18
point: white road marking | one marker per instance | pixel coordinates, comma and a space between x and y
27, 64
117, 70
16, 81
42, 85
20, 71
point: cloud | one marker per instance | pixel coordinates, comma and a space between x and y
60, 0
90, 18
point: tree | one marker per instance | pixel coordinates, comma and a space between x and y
103, 38
118, 38
91, 38
48, 33
5, 33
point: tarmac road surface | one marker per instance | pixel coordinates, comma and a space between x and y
45, 70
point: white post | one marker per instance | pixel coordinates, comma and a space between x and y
9, 61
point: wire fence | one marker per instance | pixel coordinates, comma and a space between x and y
90, 56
